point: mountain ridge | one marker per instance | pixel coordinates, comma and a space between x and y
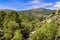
34, 12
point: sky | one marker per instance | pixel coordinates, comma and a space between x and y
29, 4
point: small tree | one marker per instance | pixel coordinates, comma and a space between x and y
7, 34
12, 15
9, 28
11, 25
2, 15
17, 35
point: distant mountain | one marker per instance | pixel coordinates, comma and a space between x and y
34, 12
37, 12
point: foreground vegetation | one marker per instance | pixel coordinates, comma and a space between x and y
16, 26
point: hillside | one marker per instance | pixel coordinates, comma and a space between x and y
16, 25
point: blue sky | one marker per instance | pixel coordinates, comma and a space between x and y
29, 4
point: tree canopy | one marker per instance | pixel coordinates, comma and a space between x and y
19, 26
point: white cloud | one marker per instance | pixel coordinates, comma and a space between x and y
57, 5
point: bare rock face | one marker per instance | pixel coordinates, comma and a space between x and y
54, 16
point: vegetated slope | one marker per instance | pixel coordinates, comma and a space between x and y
55, 17
50, 29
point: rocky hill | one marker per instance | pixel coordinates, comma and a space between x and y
37, 12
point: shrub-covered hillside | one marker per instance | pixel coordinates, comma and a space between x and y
18, 26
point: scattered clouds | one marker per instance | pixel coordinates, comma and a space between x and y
36, 4
20, 5
39, 3
56, 6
